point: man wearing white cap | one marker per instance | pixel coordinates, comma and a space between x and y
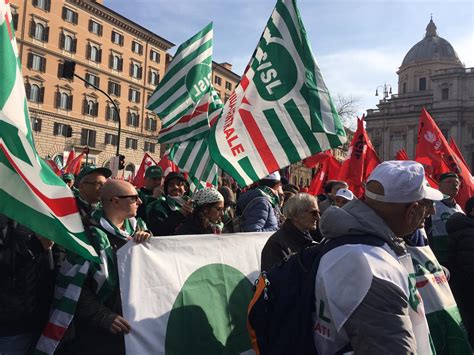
365, 298
260, 206
342, 197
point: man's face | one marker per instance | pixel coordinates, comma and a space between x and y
89, 187
340, 201
450, 186
176, 187
417, 213
308, 219
152, 183
337, 187
126, 202
69, 183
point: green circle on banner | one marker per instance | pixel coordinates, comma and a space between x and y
209, 315
276, 74
198, 80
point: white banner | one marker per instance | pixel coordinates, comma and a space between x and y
189, 294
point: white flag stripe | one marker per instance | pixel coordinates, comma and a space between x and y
46, 344
15, 101
178, 93
189, 50
60, 318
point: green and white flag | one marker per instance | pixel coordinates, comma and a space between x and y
181, 99
189, 294
281, 111
30, 192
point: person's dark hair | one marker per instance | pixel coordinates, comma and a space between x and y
269, 183
291, 188
171, 176
199, 217
329, 185
447, 176
469, 205
228, 194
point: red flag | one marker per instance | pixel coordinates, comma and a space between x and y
317, 184
167, 165
328, 170
70, 157
456, 150
53, 166
147, 161
402, 155
434, 152
74, 167
361, 160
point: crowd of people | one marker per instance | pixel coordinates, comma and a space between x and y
398, 207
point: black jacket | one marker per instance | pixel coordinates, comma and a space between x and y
286, 241
461, 260
26, 281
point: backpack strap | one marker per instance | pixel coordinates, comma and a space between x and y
252, 202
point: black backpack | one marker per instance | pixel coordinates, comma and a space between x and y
280, 315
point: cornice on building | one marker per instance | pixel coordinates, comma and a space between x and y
221, 68
122, 22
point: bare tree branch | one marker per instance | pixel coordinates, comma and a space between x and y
347, 108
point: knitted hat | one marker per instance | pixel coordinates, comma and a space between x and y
207, 195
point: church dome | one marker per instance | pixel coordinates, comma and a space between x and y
430, 48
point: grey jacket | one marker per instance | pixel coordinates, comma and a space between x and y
380, 324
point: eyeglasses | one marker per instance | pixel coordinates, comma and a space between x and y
96, 183
426, 203
134, 198
314, 213
219, 209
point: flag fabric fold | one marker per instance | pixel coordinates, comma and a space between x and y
147, 161
30, 192
74, 166
456, 150
281, 111
328, 169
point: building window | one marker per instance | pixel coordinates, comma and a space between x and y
94, 53
111, 139
90, 107
422, 84
114, 88
117, 38
228, 86
217, 80
150, 124
36, 124
111, 113
133, 119
68, 42
134, 95
445, 94
137, 48
153, 77
36, 62
92, 79
88, 137
149, 147
63, 101
116, 62
154, 56
135, 70
34, 93
95, 27
69, 15
131, 143
60, 129
15, 17
39, 31
42, 4
404, 88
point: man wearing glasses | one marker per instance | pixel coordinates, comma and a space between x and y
99, 325
90, 181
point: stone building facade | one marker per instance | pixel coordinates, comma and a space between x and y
431, 76
116, 54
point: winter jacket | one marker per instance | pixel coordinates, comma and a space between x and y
146, 195
461, 260
259, 214
380, 323
26, 280
163, 216
286, 241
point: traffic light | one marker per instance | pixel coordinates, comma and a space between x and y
68, 68
121, 164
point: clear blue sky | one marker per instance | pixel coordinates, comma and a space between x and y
359, 45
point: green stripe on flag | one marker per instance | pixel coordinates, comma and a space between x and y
187, 152
247, 166
314, 101
8, 62
166, 95
285, 15
302, 127
194, 38
208, 170
281, 132
9, 134
196, 162
182, 132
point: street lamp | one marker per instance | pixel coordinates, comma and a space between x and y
67, 72
387, 90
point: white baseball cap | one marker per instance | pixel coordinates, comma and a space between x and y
403, 181
345, 193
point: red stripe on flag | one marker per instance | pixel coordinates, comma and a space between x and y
199, 110
60, 207
54, 331
244, 82
259, 141
8, 26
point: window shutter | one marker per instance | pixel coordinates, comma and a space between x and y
149, 77
60, 70
131, 69
99, 55
43, 65
41, 95
84, 106
62, 40
119, 88
100, 30
140, 49
35, 3
56, 128
88, 51
138, 96
107, 112
90, 25
129, 94
151, 55
140, 70
58, 99
47, 6
120, 68
109, 88
92, 139
28, 90
96, 109
69, 131
121, 40
75, 18
15, 21
74, 45
128, 118
32, 28
46, 34
111, 60
97, 81
63, 15
138, 121
69, 102
29, 63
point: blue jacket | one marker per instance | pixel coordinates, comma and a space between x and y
260, 216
